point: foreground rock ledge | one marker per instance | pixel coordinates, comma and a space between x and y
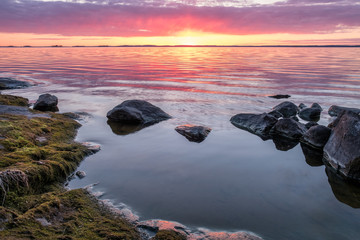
342, 151
137, 112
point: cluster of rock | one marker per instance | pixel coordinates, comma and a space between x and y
133, 115
339, 142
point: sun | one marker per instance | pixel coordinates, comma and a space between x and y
188, 37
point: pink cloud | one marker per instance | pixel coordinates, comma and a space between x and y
74, 19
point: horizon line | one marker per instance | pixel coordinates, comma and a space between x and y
151, 45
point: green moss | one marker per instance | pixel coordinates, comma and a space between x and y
169, 235
13, 100
36, 156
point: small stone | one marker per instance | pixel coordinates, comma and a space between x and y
312, 113
46, 102
193, 133
93, 147
80, 174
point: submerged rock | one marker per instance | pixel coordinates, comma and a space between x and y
284, 144
10, 83
313, 156
46, 102
24, 111
287, 109
342, 151
137, 112
312, 113
317, 136
193, 133
289, 128
259, 124
337, 110
280, 96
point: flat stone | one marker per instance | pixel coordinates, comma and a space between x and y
335, 110
280, 96
24, 111
193, 133
10, 83
259, 124
137, 112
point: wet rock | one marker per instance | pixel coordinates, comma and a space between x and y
169, 235
259, 124
311, 124
337, 110
287, 109
276, 114
295, 118
342, 151
313, 156
24, 111
193, 133
10, 83
312, 113
93, 147
137, 112
288, 128
280, 96
317, 136
345, 190
302, 106
46, 102
80, 174
284, 144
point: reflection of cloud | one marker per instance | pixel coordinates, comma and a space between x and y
322, 41
130, 19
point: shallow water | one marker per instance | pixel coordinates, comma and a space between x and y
233, 180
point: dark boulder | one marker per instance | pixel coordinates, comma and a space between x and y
193, 133
289, 128
259, 124
137, 112
337, 110
280, 96
46, 102
9, 83
302, 106
287, 109
342, 151
317, 136
312, 113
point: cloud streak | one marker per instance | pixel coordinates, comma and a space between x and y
120, 18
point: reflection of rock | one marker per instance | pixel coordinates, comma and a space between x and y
312, 113
259, 124
9, 83
313, 156
124, 129
287, 109
283, 143
280, 96
336, 110
346, 191
46, 102
193, 133
342, 151
289, 128
137, 112
317, 136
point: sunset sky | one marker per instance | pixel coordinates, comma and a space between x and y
173, 22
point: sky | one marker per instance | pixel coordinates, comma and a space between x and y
179, 22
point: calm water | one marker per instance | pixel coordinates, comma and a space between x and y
233, 180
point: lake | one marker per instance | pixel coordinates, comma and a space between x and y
233, 180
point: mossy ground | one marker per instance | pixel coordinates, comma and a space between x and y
36, 156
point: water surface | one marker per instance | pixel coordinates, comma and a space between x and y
233, 180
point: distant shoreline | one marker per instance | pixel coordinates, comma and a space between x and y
192, 46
